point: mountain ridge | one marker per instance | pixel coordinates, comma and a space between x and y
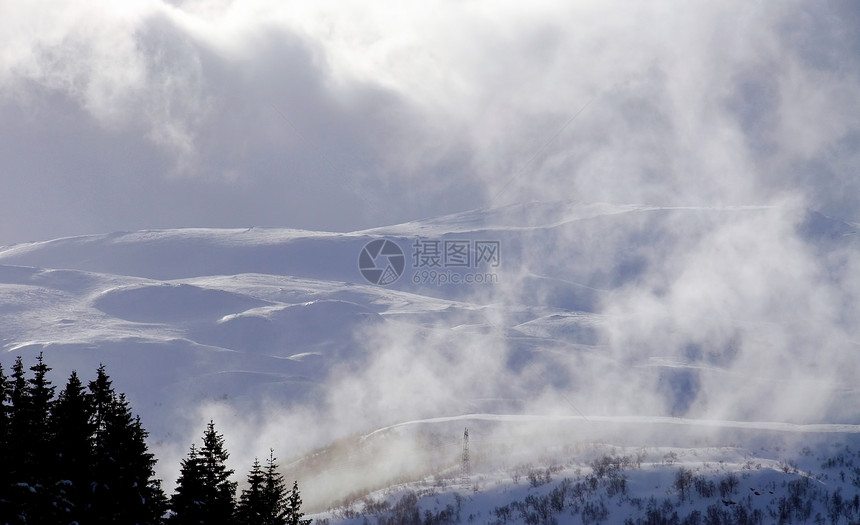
277, 329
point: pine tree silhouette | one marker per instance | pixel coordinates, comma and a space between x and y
188, 498
251, 508
277, 506
26, 492
204, 493
213, 460
264, 502
39, 437
19, 423
101, 399
72, 451
5, 452
83, 458
39, 441
294, 513
79, 458
124, 488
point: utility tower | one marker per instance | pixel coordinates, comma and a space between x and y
466, 466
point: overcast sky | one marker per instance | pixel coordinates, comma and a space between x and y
347, 115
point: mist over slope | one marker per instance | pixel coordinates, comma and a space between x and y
743, 314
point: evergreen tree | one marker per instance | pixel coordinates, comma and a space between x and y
72, 429
264, 502
19, 422
251, 508
104, 465
294, 513
275, 494
216, 475
141, 501
187, 501
5, 455
39, 437
26, 495
102, 396
28, 482
81, 458
205, 494
5, 400
123, 486
18, 384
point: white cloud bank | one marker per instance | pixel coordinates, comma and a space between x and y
342, 115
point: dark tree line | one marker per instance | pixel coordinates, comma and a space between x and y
205, 494
81, 457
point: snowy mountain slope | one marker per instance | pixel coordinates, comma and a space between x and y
504, 445
628, 315
600, 483
590, 231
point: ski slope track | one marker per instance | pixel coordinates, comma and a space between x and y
598, 320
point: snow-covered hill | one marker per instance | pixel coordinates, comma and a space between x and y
610, 322
599, 483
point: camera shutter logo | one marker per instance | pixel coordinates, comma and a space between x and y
381, 261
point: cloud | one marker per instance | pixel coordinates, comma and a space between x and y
207, 121
333, 117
